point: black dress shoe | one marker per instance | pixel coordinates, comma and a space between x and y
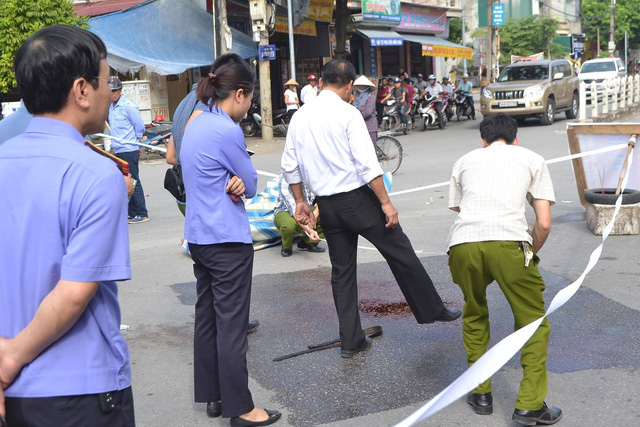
544, 415
446, 315
253, 326
214, 409
241, 422
311, 248
482, 403
286, 252
348, 354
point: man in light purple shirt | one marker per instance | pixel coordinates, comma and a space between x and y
63, 360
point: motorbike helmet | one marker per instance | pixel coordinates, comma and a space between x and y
431, 77
445, 78
115, 83
420, 76
159, 118
465, 76
397, 80
312, 77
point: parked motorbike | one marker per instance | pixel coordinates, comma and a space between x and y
252, 123
156, 134
428, 113
463, 107
392, 120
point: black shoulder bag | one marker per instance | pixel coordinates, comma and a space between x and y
173, 183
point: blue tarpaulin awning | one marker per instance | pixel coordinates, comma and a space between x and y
165, 36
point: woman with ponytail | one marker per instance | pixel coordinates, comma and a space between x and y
217, 173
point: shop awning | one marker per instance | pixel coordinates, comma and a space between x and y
381, 37
435, 46
165, 36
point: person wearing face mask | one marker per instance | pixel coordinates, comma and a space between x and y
217, 171
435, 90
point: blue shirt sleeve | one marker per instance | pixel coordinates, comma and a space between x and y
98, 247
234, 155
136, 120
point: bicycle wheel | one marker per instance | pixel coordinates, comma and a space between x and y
389, 153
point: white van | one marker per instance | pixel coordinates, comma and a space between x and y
602, 69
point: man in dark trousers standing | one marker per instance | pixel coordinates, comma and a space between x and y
353, 202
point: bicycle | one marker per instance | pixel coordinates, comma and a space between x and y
389, 152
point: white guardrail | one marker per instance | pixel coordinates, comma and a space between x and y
609, 96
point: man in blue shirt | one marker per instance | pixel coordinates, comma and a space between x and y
126, 124
465, 86
63, 360
14, 124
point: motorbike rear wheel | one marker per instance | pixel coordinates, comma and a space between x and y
389, 152
249, 128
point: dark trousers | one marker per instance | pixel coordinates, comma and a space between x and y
358, 212
379, 112
438, 107
223, 274
78, 411
137, 204
473, 108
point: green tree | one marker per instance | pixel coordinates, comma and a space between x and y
529, 35
19, 19
596, 13
455, 30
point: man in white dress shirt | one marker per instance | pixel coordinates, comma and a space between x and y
310, 91
336, 160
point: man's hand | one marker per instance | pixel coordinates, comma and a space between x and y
391, 213
235, 188
128, 180
304, 214
9, 369
313, 235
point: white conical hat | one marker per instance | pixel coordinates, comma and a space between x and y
363, 81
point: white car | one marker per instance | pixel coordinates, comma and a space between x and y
600, 70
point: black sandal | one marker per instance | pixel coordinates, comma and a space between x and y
241, 422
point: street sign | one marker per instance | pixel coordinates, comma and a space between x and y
497, 15
267, 52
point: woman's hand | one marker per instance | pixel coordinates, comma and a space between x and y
235, 188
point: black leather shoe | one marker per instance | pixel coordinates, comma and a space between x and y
544, 415
311, 248
286, 252
214, 409
241, 422
348, 354
446, 315
253, 326
482, 403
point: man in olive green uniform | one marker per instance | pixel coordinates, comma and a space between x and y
489, 241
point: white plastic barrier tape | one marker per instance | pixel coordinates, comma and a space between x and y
549, 162
141, 144
500, 354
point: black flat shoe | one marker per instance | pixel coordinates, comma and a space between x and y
311, 248
544, 415
482, 403
286, 252
348, 354
253, 326
214, 409
241, 422
446, 315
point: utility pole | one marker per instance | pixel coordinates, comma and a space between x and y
292, 50
612, 38
464, 61
490, 39
258, 11
598, 42
225, 31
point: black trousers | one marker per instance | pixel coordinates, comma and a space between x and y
223, 274
78, 411
379, 112
137, 204
438, 107
358, 212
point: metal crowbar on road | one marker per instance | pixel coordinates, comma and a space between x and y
371, 332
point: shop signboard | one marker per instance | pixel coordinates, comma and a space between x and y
308, 28
422, 19
385, 41
447, 51
320, 10
381, 10
497, 16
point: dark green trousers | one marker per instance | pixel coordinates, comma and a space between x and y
473, 267
288, 227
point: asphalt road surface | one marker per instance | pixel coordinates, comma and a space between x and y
594, 351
